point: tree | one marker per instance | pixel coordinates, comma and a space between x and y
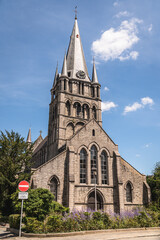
37, 205
15, 165
154, 183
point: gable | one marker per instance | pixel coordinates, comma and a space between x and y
90, 133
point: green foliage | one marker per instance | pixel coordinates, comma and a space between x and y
15, 155
32, 225
37, 205
58, 208
154, 183
54, 223
14, 221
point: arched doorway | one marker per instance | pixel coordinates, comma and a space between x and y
91, 201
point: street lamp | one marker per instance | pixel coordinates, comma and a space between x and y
95, 176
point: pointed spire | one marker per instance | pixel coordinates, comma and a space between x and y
75, 56
29, 136
75, 12
55, 76
64, 68
94, 73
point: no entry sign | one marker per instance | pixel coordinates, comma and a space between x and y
23, 186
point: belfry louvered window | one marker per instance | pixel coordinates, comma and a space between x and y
83, 162
104, 167
93, 163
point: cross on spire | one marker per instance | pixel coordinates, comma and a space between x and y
75, 12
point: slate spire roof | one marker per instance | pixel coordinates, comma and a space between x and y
75, 55
64, 68
94, 73
55, 77
29, 136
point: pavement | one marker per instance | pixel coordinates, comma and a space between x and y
149, 234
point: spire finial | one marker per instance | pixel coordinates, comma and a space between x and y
75, 12
40, 132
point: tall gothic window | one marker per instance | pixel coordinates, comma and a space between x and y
94, 112
128, 192
85, 110
93, 163
70, 86
83, 162
53, 187
104, 167
77, 107
68, 108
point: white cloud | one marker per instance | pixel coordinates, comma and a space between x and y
116, 4
106, 89
135, 106
117, 43
138, 155
150, 28
122, 14
147, 100
132, 108
106, 106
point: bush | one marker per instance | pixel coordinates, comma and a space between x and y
32, 225
14, 221
37, 205
54, 223
58, 208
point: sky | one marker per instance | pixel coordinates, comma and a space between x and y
124, 38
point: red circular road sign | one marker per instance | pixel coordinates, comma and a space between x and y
23, 186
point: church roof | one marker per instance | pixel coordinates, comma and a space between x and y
64, 68
55, 77
75, 55
29, 136
94, 74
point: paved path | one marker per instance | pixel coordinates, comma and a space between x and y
151, 234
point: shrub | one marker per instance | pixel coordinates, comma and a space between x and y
32, 225
54, 223
57, 207
14, 221
37, 205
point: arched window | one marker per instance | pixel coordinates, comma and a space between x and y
94, 112
128, 192
93, 164
53, 187
85, 111
77, 107
104, 167
91, 201
68, 108
83, 162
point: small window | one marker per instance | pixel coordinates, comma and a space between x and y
93, 132
69, 74
64, 84
70, 86
128, 192
82, 88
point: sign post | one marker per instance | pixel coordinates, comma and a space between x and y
23, 187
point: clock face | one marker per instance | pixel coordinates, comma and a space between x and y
81, 74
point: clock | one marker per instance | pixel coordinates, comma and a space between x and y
81, 74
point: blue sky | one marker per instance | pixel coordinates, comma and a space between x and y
123, 36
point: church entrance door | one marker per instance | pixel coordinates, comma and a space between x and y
91, 201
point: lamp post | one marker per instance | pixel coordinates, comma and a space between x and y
95, 174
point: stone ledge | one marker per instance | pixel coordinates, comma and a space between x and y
42, 235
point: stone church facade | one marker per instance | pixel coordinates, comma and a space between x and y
77, 154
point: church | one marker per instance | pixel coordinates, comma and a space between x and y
78, 162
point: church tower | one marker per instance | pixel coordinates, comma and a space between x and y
75, 98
